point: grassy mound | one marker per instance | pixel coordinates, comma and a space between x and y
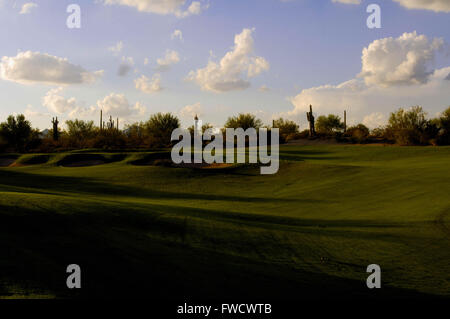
309, 231
86, 159
7, 160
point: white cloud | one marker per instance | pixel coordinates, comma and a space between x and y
361, 100
125, 66
56, 103
27, 7
117, 48
348, 1
163, 7
34, 67
190, 111
433, 5
147, 85
234, 68
177, 34
113, 104
402, 60
374, 120
118, 105
31, 112
170, 58
394, 75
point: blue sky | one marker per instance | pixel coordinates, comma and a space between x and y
301, 45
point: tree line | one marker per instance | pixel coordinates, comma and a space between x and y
405, 127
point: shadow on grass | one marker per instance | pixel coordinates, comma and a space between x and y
47, 184
120, 261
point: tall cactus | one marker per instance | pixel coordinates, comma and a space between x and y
311, 120
55, 123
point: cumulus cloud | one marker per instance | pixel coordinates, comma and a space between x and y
394, 74
31, 112
402, 60
234, 69
433, 5
118, 105
374, 120
117, 48
163, 7
114, 104
27, 7
147, 85
190, 111
361, 100
55, 102
348, 1
34, 67
177, 34
125, 66
170, 58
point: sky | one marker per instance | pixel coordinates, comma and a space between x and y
218, 58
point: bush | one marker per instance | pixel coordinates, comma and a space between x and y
443, 137
410, 127
288, 129
160, 127
244, 121
358, 133
79, 133
329, 125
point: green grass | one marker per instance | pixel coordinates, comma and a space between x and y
310, 230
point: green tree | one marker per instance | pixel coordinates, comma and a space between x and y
244, 121
329, 124
17, 132
160, 127
286, 127
358, 133
444, 127
408, 126
79, 132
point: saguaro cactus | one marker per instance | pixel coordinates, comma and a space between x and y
345, 121
55, 129
110, 124
311, 120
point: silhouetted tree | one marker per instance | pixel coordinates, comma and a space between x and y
160, 127
17, 132
244, 121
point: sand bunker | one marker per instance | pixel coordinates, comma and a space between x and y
154, 159
83, 160
7, 161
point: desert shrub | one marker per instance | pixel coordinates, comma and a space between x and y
443, 137
244, 121
329, 125
160, 127
79, 133
108, 139
288, 129
410, 127
136, 134
358, 133
303, 134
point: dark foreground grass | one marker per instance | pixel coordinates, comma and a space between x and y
308, 231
